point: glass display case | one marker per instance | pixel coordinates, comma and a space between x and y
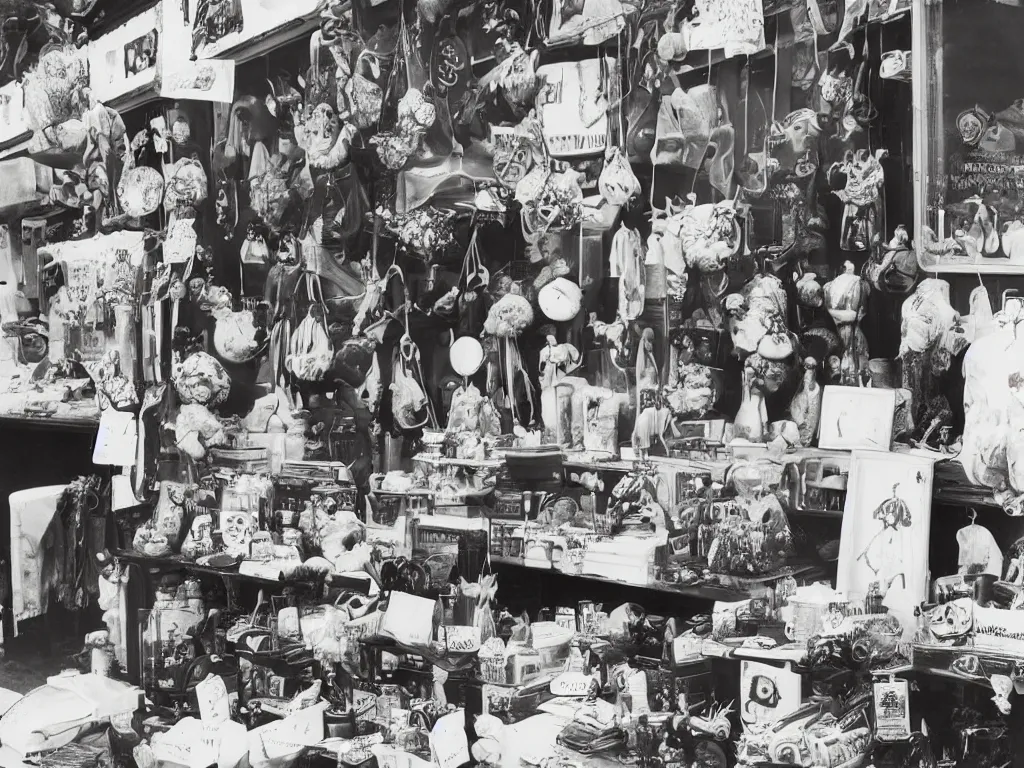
969, 136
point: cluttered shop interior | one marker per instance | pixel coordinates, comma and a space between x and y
511, 383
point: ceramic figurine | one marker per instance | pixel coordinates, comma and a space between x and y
931, 335
651, 423
751, 420
556, 360
805, 408
647, 376
846, 299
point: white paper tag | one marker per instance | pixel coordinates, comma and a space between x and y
214, 706
892, 710
122, 496
116, 439
82, 280
448, 741
572, 684
408, 619
462, 639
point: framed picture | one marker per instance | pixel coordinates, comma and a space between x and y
767, 693
886, 522
856, 417
968, 138
140, 54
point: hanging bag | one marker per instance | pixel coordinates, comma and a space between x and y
309, 351
473, 279
408, 398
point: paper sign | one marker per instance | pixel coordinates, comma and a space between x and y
122, 495
205, 80
448, 742
185, 744
462, 639
408, 619
214, 707
390, 757
232, 744
285, 738
116, 439
572, 684
892, 710
767, 693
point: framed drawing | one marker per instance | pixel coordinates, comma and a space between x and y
767, 693
856, 417
886, 524
968, 137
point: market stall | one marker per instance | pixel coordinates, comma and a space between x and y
513, 383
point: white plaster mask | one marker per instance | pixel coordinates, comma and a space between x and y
321, 130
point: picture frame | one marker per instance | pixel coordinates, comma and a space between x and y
966, 153
141, 54
856, 418
886, 519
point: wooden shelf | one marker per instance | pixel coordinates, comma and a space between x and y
952, 487
84, 425
938, 660
180, 564
709, 592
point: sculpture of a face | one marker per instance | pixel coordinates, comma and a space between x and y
237, 529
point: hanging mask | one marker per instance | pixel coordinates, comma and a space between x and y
512, 162
951, 619
971, 125
254, 248
287, 251
834, 89
227, 205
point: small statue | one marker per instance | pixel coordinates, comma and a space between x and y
805, 408
846, 298
647, 376
556, 361
751, 422
199, 541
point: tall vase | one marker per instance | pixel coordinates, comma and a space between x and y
748, 423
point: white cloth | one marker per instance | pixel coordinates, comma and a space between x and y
31, 512
978, 547
626, 262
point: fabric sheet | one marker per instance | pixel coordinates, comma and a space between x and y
31, 512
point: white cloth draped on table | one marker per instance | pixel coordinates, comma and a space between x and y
31, 512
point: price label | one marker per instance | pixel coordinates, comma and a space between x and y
448, 740
462, 639
572, 684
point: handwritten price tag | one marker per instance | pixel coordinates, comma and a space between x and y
462, 639
448, 740
571, 684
